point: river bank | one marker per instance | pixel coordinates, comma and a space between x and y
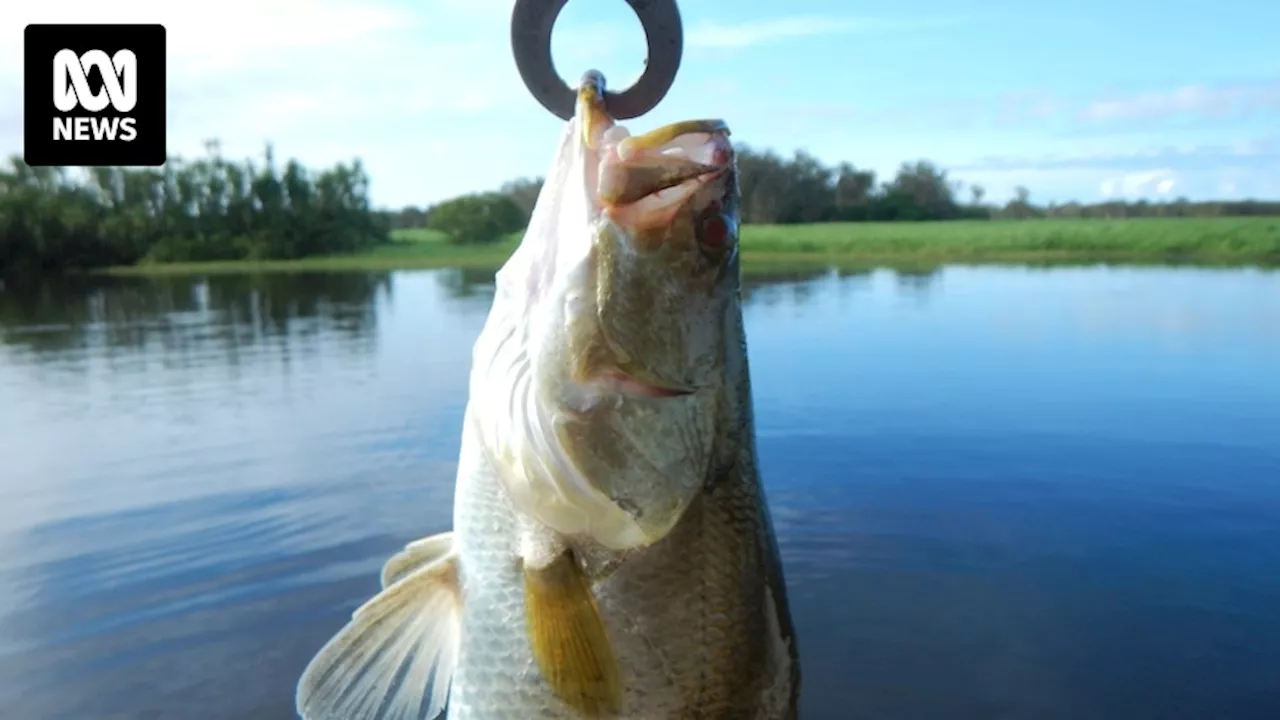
768, 248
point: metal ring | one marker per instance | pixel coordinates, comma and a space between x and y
531, 24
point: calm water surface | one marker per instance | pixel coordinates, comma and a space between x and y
1000, 493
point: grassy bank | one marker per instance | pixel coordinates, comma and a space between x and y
1208, 241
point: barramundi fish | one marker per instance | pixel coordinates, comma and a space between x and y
612, 554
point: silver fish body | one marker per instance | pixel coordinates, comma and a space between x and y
612, 553
698, 620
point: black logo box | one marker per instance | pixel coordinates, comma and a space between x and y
148, 149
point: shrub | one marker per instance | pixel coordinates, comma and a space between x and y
480, 218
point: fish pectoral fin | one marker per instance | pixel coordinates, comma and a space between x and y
415, 555
569, 639
395, 658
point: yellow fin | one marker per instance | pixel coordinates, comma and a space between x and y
569, 638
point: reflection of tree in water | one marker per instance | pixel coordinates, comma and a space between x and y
757, 287
766, 288
235, 312
478, 283
918, 283
799, 286
853, 280
461, 283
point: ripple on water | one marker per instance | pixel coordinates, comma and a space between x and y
998, 492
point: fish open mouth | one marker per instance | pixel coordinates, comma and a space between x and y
644, 180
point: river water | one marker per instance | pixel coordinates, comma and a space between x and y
999, 492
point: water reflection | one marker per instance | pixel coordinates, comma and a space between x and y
471, 282
189, 465
169, 314
918, 285
757, 287
467, 282
999, 492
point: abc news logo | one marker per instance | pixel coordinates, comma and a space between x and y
71, 90
107, 105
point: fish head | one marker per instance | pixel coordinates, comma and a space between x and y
623, 298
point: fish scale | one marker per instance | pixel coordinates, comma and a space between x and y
687, 615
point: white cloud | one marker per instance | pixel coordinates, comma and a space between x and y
1044, 109
209, 38
745, 34
1139, 184
426, 93
1205, 100
1261, 153
1027, 106
324, 80
756, 32
259, 66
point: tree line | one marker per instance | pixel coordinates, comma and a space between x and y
213, 208
802, 189
210, 208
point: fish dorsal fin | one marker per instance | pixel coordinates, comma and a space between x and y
395, 659
569, 639
415, 555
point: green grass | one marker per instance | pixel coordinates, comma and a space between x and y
1209, 240
770, 248
407, 249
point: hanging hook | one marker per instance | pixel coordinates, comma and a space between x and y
531, 24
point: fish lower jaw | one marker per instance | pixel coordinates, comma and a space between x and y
659, 209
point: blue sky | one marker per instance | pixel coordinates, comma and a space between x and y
1082, 100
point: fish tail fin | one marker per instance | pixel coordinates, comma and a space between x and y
395, 658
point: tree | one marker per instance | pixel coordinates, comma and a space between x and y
920, 191
977, 191
1020, 206
853, 192
479, 218
524, 192
208, 209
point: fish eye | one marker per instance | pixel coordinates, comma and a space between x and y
712, 231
